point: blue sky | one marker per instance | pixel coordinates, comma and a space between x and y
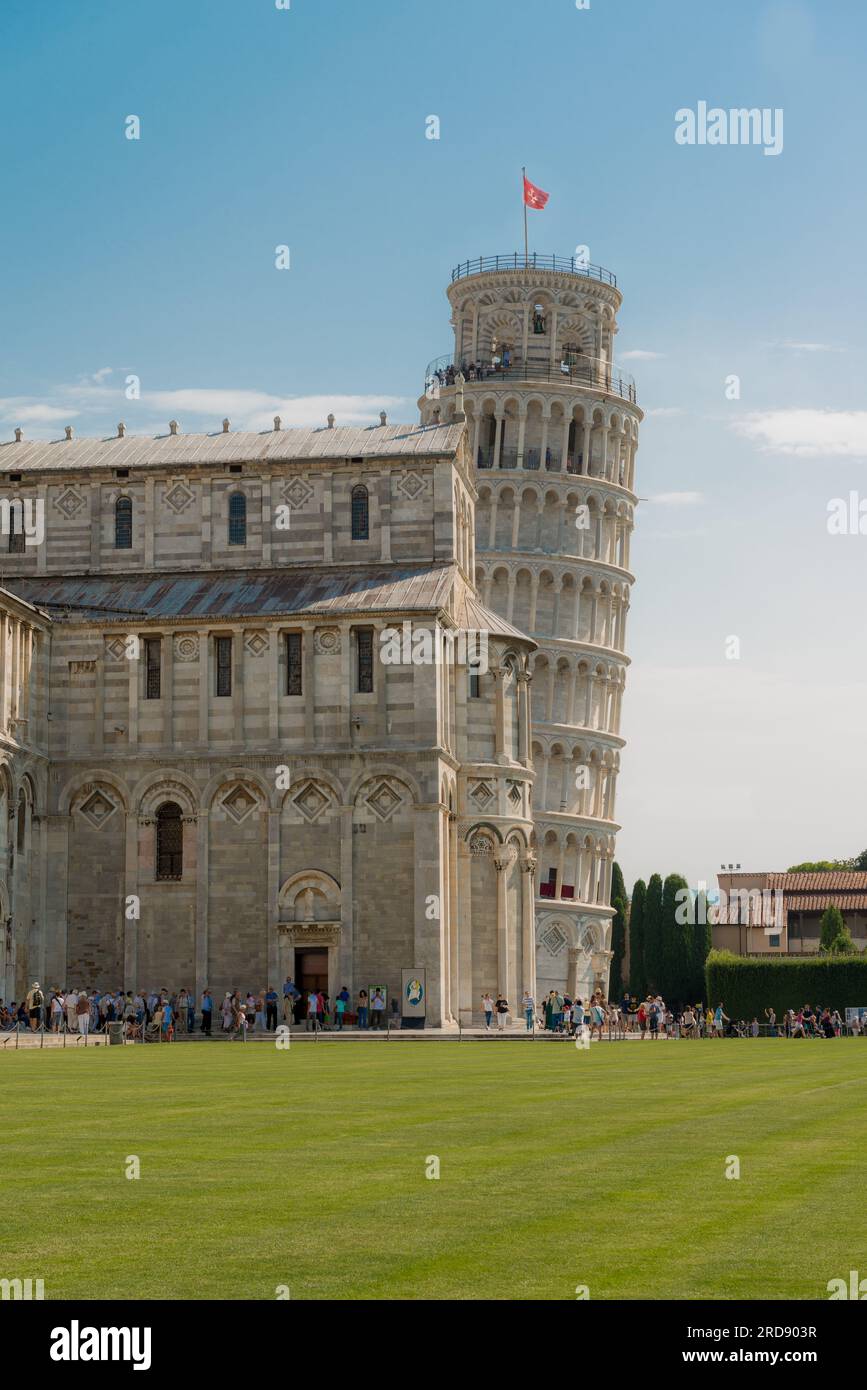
306, 127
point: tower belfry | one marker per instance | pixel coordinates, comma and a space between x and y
552, 424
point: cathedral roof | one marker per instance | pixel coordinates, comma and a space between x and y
241, 446
327, 592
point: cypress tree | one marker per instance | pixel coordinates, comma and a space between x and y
653, 934
637, 976
677, 939
618, 932
702, 940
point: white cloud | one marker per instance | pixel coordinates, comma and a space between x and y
23, 410
807, 433
639, 355
666, 410
810, 347
198, 409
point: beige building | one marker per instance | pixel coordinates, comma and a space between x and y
228, 751
772, 914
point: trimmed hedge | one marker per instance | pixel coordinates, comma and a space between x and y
748, 986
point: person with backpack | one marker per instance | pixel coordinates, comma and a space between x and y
34, 1004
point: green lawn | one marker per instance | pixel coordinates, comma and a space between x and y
559, 1167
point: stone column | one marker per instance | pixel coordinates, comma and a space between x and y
204, 683
167, 688
524, 717
131, 925
498, 442
149, 527
202, 962
502, 860
587, 445
428, 945
465, 928
272, 910
499, 674
238, 686
528, 924
522, 427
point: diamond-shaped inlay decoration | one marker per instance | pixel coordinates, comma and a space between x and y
515, 794
482, 795
411, 485
297, 493
97, 809
256, 643
553, 940
311, 801
384, 801
239, 803
115, 647
178, 497
69, 503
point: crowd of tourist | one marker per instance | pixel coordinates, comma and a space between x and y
157, 1015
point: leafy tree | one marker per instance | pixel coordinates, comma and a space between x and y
857, 863
653, 933
819, 866
637, 976
677, 939
835, 939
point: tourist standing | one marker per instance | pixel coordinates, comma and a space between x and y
487, 1010
362, 1008
207, 1013
72, 1011
183, 1008
312, 1011
82, 1010
271, 1009
528, 1004
502, 1007
34, 1004
56, 1011
377, 1008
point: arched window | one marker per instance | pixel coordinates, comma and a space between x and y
123, 524
170, 842
237, 519
22, 822
360, 514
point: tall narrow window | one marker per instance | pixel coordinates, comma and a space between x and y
237, 519
223, 651
360, 514
22, 822
16, 527
123, 524
170, 842
293, 663
474, 683
153, 656
364, 652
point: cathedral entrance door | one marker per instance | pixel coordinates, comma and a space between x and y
311, 972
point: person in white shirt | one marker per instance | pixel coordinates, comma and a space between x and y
72, 1011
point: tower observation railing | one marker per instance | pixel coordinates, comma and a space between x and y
574, 370
516, 260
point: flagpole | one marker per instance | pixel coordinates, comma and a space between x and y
524, 201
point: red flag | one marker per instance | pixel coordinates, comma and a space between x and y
534, 197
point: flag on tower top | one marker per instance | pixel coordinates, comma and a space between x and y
534, 197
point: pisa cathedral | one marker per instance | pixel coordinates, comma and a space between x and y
209, 776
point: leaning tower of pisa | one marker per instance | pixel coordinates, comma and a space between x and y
553, 428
